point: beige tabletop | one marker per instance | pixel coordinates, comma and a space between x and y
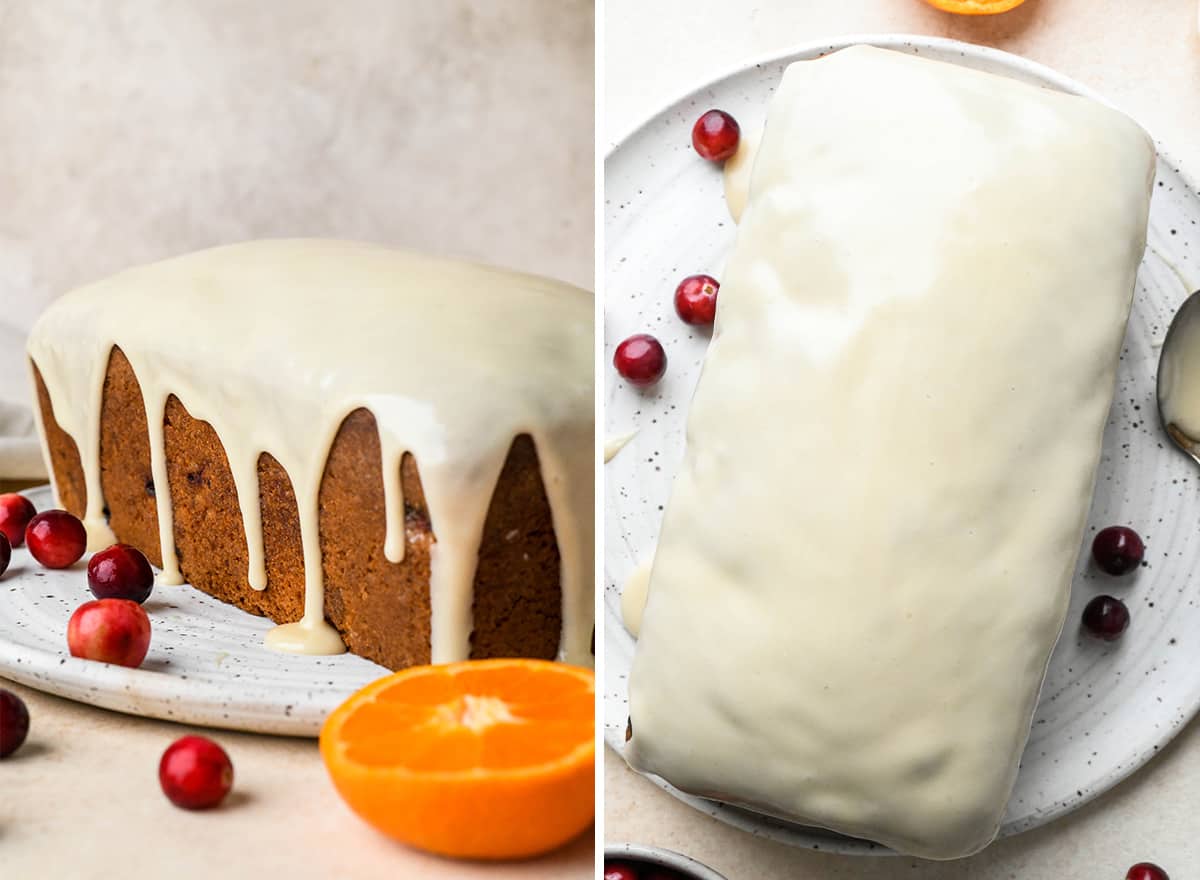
1145, 57
134, 130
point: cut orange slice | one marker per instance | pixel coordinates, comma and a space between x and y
975, 7
490, 759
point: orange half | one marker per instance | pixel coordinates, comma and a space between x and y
490, 759
975, 7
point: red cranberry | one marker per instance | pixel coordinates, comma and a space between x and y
1106, 618
619, 871
14, 722
1146, 871
195, 773
120, 572
110, 631
715, 135
5, 552
664, 874
56, 538
15, 513
1118, 549
696, 299
641, 360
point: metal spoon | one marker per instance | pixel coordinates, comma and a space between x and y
1175, 339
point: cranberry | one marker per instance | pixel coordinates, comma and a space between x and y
195, 773
641, 360
110, 631
15, 513
120, 572
56, 538
1146, 871
696, 299
715, 135
1106, 617
14, 722
5, 552
1118, 549
619, 871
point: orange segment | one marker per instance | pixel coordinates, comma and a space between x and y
975, 7
490, 759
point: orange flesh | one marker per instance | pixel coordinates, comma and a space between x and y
485, 759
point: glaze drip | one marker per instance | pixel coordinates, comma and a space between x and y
614, 445
633, 597
452, 360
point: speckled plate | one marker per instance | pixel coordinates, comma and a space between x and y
1105, 709
207, 664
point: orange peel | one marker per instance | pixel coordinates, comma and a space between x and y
975, 7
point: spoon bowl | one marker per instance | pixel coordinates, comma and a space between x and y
1178, 385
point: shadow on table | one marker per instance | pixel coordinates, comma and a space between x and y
572, 860
1082, 839
992, 30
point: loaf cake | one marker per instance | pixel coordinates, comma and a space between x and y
379, 451
867, 555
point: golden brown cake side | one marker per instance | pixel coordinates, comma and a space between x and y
381, 609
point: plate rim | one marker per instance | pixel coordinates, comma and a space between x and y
884, 40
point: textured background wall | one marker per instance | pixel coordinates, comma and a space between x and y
135, 129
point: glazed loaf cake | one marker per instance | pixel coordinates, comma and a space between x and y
899, 421
378, 450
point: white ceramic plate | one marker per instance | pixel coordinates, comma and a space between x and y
207, 664
1105, 709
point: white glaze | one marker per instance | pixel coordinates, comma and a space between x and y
1172, 267
453, 360
899, 420
633, 597
737, 172
1180, 374
614, 445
